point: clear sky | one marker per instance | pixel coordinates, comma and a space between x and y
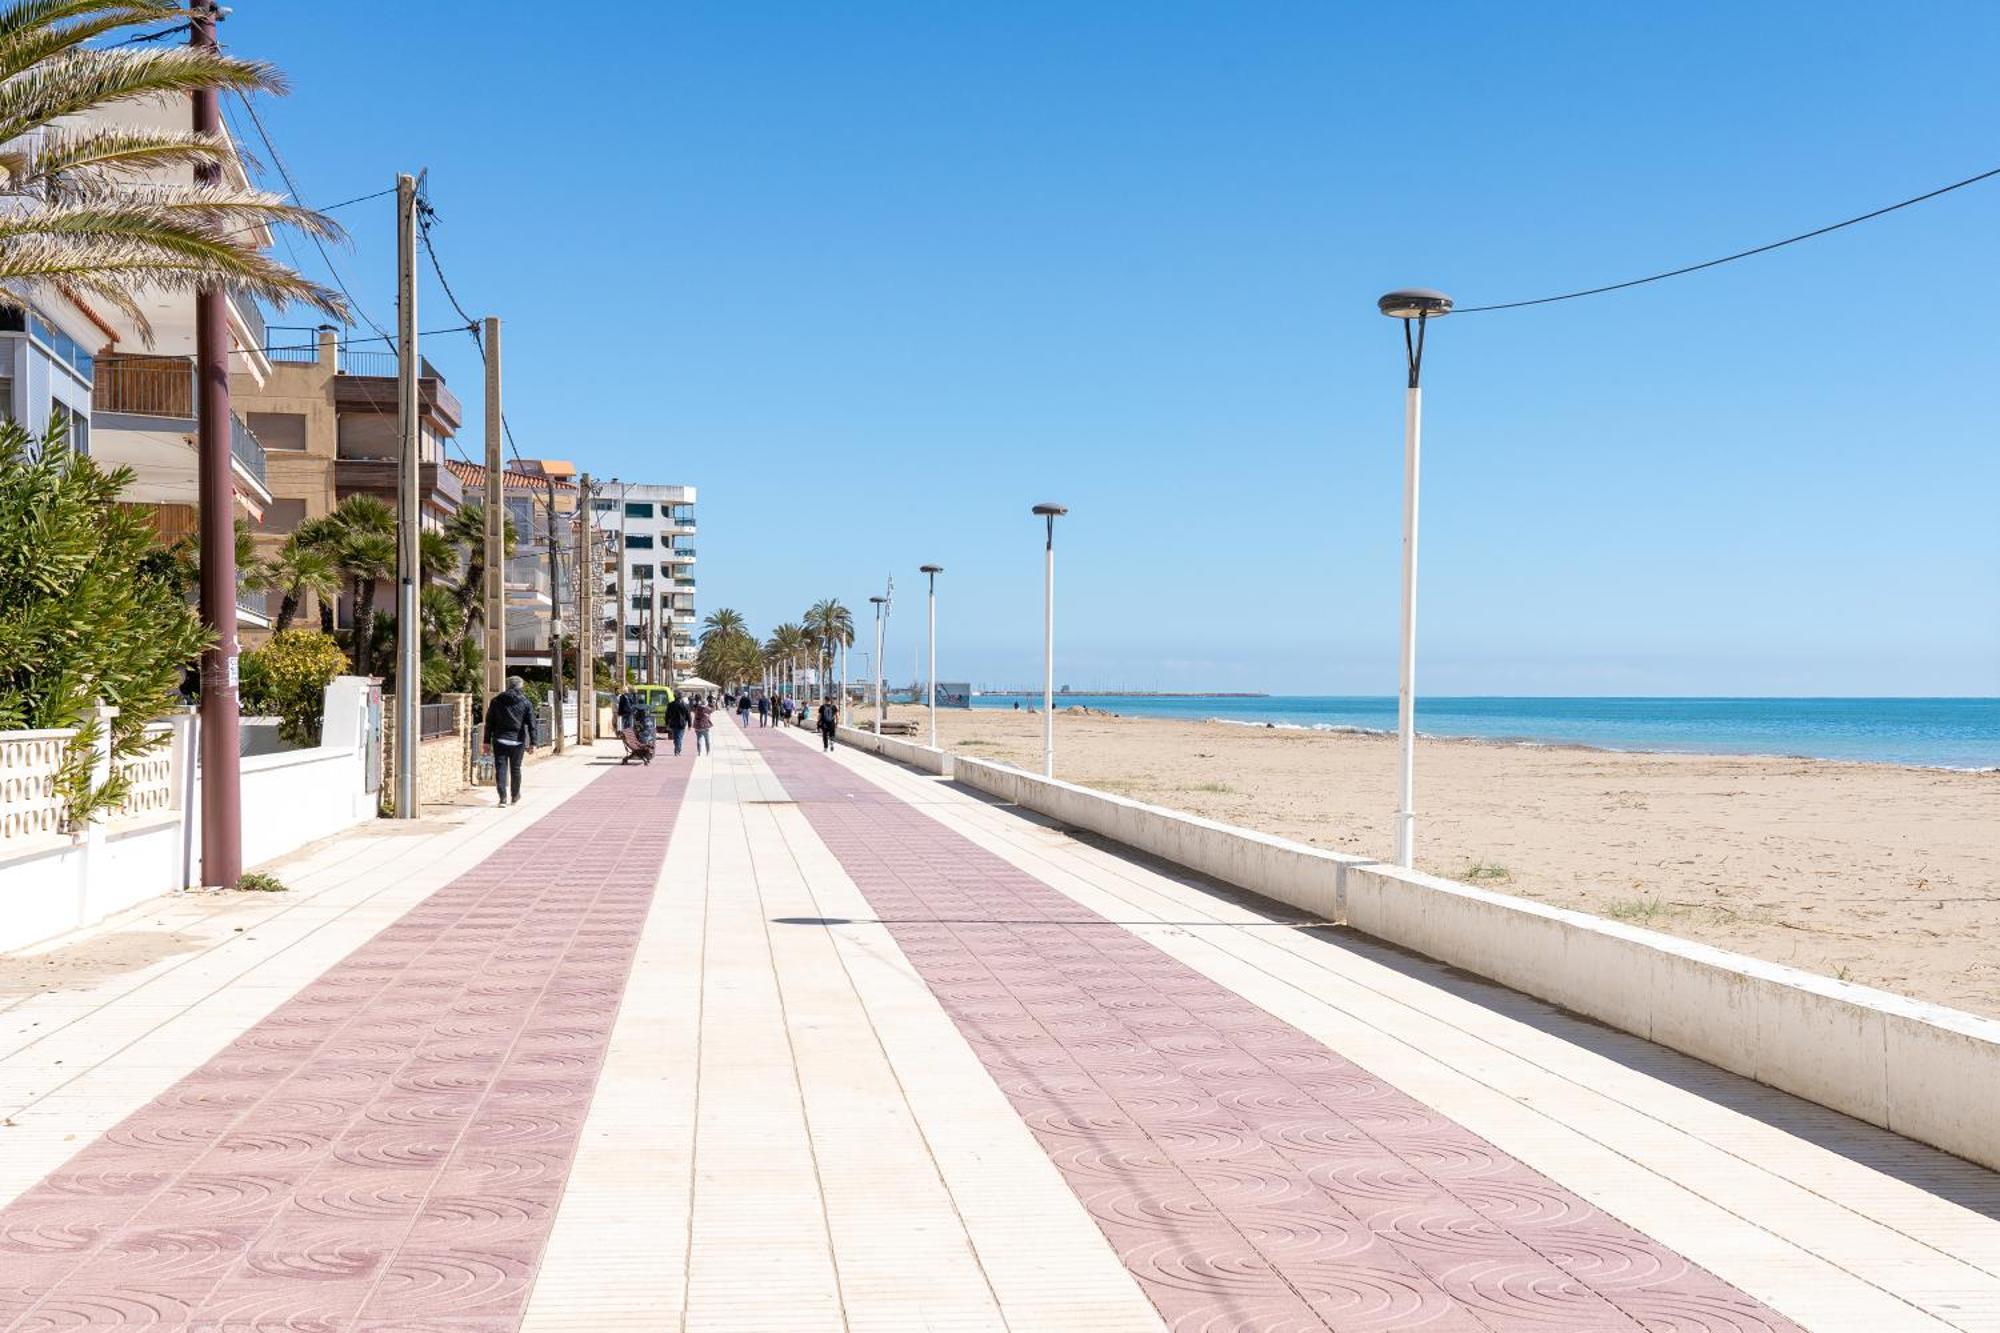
878, 277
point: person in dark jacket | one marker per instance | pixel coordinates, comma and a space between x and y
510, 734
763, 710
829, 722
628, 703
704, 721
678, 718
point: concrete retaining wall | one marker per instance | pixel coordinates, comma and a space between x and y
899, 749
1922, 1070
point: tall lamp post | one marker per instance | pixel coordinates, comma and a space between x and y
1049, 512
1416, 307
880, 602
933, 571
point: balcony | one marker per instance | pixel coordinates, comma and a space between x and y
247, 452
160, 387
683, 583
684, 554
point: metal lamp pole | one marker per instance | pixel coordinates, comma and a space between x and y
933, 571
1050, 512
880, 602
1418, 305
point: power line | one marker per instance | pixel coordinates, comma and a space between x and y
349, 342
298, 196
1740, 254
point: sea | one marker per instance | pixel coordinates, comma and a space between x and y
1931, 733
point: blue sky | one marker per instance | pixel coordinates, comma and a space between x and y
879, 277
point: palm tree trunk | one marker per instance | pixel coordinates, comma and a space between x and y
364, 626
288, 608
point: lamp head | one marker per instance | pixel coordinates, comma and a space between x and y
930, 569
1414, 303
878, 600
1051, 510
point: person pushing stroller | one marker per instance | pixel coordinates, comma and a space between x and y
639, 735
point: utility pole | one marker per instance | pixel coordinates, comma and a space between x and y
409, 483
495, 601
623, 604
555, 624
589, 570
221, 772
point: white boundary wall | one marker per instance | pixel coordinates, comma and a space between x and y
898, 749
52, 885
1922, 1070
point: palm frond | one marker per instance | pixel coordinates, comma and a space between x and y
105, 153
73, 82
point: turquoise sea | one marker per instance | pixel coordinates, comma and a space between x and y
1936, 733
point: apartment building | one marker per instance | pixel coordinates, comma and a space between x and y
539, 590
647, 535
325, 416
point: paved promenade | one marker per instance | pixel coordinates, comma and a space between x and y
778, 1041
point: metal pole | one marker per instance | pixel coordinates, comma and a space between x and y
409, 487
555, 624
221, 773
589, 570
1049, 652
843, 684
934, 743
496, 523
880, 711
1406, 689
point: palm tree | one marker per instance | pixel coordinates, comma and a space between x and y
724, 623
107, 213
831, 626
466, 529
303, 566
363, 537
787, 644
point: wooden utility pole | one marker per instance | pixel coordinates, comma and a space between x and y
555, 624
409, 488
589, 569
221, 772
495, 598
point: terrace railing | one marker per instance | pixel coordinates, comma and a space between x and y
144, 386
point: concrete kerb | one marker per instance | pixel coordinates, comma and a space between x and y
1921, 1070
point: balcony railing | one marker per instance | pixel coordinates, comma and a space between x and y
244, 445
683, 583
684, 553
291, 345
257, 602
253, 319
144, 386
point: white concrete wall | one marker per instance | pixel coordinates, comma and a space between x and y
903, 751
289, 800
1922, 1070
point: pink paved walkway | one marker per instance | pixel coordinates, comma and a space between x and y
386, 1150
1248, 1177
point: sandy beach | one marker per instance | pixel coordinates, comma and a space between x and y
1872, 873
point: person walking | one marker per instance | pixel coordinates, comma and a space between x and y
628, 703
677, 718
703, 718
510, 734
743, 709
829, 723
763, 710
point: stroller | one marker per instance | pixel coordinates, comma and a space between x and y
638, 735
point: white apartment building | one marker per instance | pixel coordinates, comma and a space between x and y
648, 593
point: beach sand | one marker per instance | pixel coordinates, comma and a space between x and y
1872, 873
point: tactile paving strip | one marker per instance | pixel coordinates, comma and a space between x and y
1249, 1177
386, 1150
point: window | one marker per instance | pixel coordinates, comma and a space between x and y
631, 631
367, 435
280, 430
642, 571
639, 509
642, 603
604, 506
638, 541
282, 516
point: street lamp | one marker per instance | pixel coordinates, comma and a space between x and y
1050, 512
880, 602
933, 571
1421, 305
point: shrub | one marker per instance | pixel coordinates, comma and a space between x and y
93, 609
287, 679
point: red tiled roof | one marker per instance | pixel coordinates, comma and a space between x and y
472, 474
